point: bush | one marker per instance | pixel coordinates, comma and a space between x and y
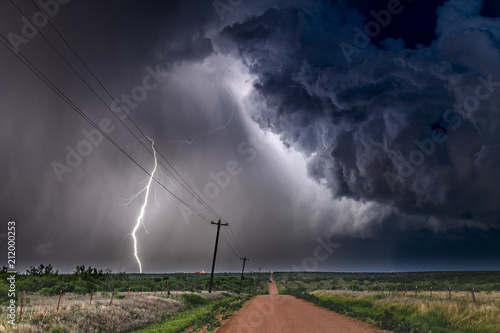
55, 290
192, 300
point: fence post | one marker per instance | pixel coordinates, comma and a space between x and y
473, 297
416, 290
91, 295
21, 312
126, 298
430, 298
112, 295
58, 303
141, 292
449, 294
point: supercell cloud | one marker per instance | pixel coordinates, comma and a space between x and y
413, 129
372, 125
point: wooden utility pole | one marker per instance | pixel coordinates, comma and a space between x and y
250, 284
215, 253
241, 280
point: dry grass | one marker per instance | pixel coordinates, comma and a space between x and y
460, 312
77, 315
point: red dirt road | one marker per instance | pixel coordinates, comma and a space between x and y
287, 314
273, 289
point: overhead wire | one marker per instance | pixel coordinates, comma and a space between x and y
68, 101
184, 183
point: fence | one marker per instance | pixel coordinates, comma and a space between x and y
34, 303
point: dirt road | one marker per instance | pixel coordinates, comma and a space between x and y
287, 314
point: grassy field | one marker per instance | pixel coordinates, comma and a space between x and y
205, 316
138, 300
123, 315
382, 299
388, 282
423, 302
407, 314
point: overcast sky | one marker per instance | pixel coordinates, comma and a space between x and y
331, 135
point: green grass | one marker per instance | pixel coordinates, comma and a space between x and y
457, 281
265, 289
279, 285
408, 315
197, 315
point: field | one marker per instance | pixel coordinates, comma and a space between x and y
91, 300
401, 302
388, 282
461, 302
174, 313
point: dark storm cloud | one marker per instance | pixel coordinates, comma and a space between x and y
349, 121
80, 220
368, 126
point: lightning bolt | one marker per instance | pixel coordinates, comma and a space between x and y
143, 208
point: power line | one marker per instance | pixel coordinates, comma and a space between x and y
230, 242
229, 246
236, 241
68, 101
191, 191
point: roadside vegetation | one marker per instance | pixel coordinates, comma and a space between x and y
388, 282
406, 315
93, 300
442, 302
199, 314
46, 281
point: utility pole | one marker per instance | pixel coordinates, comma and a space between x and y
215, 253
244, 261
251, 281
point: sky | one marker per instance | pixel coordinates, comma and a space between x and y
330, 135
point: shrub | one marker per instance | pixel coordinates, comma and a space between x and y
55, 290
192, 300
